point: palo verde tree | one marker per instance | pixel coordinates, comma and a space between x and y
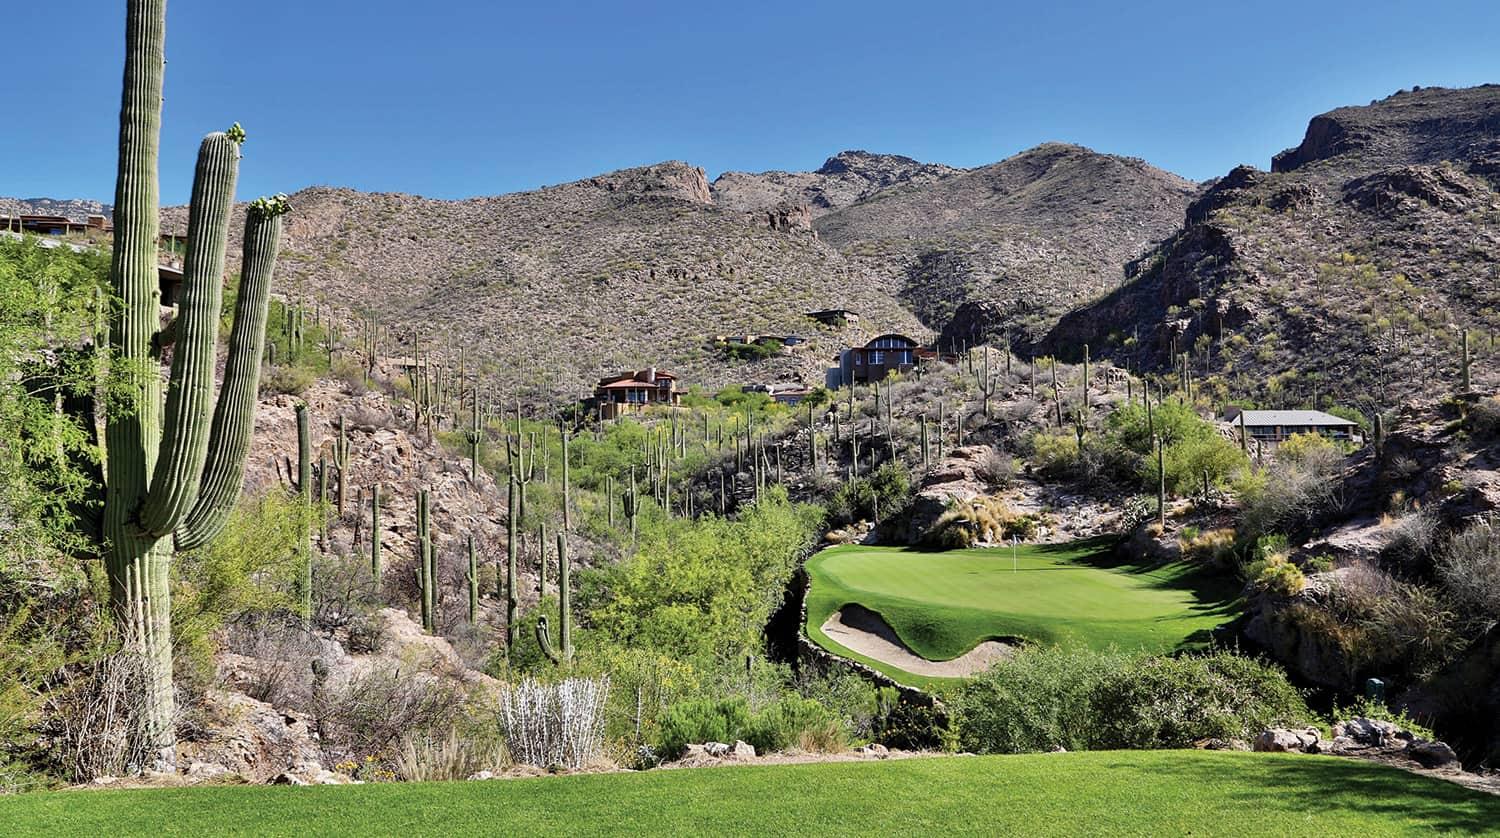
174, 457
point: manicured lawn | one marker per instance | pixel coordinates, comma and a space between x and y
942, 604
1099, 793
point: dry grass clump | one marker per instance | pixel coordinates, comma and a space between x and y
979, 521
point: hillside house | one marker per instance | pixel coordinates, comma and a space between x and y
874, 361
54, 225
835, 317
789, 393
1274, 426
634, 392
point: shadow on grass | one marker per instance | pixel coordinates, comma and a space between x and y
1314, 784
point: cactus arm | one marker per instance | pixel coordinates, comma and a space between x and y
234, 415
184, 442
545, 641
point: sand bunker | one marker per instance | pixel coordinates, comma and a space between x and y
861, 630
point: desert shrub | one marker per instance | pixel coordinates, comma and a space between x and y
96, 720
1412, 541
981, 520
996, 468
1321, 563
292, 381
1080, 699
456, 754
705, 720
795, 721
283, 650
1387, 626
559, 724
1054, 453
375, 709
1216, 546
912, 727
1468, 566
248, 570
1277, 575
883, 494
1160, 702
1298, 448
1037, 701
704, 589
1290, 496
1483, 419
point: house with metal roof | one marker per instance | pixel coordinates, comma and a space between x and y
1276, 425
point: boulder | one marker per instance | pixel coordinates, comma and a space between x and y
743, 749
874, 750
197, 770
311, 773
1373, 733
1430, 754
482, 775
249, 737
716, 749
1278, 739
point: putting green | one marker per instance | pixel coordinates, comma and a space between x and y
942, 604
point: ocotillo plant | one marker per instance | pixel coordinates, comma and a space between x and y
174, 469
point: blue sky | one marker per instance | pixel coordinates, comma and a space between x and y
452, 98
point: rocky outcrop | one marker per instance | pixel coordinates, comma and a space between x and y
1422, 125
843, 179
248, 738
672, 179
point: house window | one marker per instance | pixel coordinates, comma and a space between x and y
877, 358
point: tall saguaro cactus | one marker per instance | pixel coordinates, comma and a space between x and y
173, 463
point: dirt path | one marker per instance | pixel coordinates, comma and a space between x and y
863, 631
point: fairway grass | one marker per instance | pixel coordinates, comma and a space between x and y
942, 604
1092, 793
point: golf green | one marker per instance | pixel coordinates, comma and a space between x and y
942, 604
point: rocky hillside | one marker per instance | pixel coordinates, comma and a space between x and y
845, 178
73, 208
555, 288
1349, 269
1024, 238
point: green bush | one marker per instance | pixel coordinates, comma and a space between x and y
706, 720
1037, 701
885, 493
797, 721
292, 381
1157, 702
1079, 699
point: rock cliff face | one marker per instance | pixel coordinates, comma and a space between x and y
1375, 241
1421, 126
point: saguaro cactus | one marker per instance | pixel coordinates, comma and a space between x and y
304, 493
563, 652
424, 560
376, 570
1464, 359
174, 469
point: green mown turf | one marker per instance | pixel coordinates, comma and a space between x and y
1097, 793
942, 604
